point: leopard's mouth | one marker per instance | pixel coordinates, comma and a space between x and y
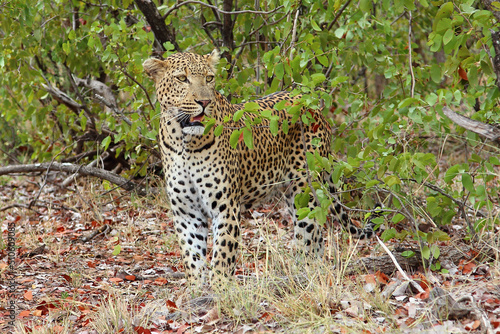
193, 120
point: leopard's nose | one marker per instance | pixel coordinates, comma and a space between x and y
203, 103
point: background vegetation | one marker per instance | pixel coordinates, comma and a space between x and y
73, 89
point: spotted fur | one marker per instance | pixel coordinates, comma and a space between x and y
207, 179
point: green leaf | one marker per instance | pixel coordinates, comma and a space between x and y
301, 200
426, 252
435, 251
273, 127
318, 78
218, 130
440, 235
431, 99
451, 173
234, 138
443, 12
408, 254
315, 26
238, 115
251, 106
247, 138
388, 234
105, 142
467, 182
448, 35
372, 183
397, 218
279, 70
494, 160
406, 102
302, 213
280, 105
284, 126
436, 73
339, 32
366, 6
117, 249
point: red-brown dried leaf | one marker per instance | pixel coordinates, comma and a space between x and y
67, 278
381, 277
462, 73
171, 305
28, 295
467, 269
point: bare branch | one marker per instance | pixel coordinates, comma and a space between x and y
294, 33
412, 90
71, 168
341, 10
61, 97
246, 11
98, 87
488, 131
91, 117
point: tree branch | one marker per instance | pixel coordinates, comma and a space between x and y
488, 131
63, 98
163, 33
488, 4
220, 10
341, 10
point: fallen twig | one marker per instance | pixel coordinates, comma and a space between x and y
401, 271
103, 229
71, 168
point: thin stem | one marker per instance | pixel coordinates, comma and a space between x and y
412, 93
219, 10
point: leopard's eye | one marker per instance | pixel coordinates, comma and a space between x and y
182, 78
210, 78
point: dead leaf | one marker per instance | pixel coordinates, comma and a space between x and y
462, 73
23, 314
212, 316
473, 325
467, 269
381, 277
28, 295
67, 278
171, 306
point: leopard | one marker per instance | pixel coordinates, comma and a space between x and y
208, 180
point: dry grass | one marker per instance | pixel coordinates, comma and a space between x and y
276, 288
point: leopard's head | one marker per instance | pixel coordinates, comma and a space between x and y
185, 87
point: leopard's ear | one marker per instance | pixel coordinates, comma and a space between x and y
155, 68
213, 59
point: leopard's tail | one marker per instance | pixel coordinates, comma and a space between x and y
339, 211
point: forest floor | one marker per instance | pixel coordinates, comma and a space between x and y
93, 261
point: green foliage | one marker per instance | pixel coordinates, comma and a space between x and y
390, 134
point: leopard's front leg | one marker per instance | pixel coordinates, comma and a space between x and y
191, 228
226, 231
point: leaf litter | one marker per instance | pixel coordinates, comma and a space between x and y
70, 283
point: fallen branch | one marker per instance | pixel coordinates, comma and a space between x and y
71, 168
398, 267
488, 131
